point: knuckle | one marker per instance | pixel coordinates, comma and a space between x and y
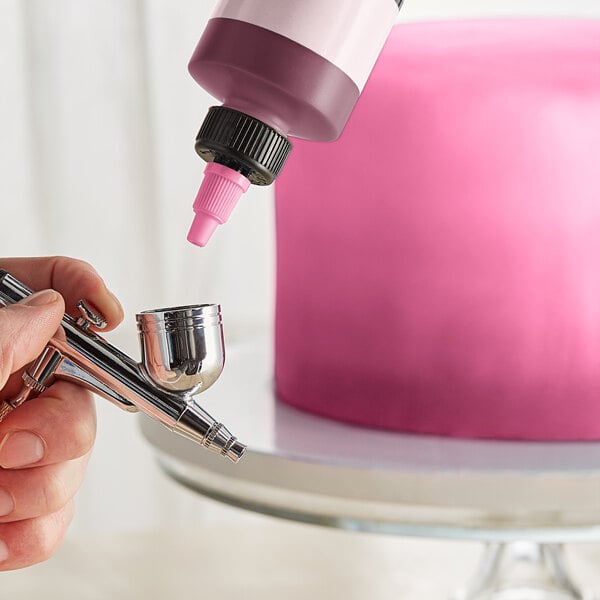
83, 432
47, 537
70, 411
35, 540
68, 264
49, 532
5, 364
42, 491
56, 492
6, 348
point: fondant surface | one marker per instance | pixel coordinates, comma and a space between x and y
438, 267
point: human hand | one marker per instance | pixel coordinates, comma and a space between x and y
45, 444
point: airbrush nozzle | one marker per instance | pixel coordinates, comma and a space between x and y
215, 436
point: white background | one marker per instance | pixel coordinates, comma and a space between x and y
97, 124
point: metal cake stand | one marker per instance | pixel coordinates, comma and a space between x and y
522, 500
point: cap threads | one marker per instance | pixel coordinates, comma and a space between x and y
242, 143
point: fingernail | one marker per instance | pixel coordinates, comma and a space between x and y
40, 298
7, 504
21, 449
3, 551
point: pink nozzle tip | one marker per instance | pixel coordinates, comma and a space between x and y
221, 188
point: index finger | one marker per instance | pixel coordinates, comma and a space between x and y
74, 279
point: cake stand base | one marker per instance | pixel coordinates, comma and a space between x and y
522, 571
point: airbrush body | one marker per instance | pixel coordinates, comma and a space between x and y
182, 355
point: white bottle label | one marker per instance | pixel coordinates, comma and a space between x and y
348, 33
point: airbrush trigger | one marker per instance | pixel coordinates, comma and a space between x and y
89, 317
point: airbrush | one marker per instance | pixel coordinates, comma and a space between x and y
182, 355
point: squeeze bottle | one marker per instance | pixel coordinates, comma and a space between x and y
280, 68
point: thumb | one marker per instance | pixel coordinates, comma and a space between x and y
25, 328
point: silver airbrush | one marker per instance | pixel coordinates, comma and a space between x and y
182, 355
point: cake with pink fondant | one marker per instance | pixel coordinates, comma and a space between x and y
438, 267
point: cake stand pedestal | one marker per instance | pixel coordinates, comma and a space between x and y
523, 500
521, 571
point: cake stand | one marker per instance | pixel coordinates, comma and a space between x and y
522, 500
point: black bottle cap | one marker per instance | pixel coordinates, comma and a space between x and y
242, 143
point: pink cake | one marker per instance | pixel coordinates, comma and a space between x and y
439, 265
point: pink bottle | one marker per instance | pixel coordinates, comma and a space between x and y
280, 68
